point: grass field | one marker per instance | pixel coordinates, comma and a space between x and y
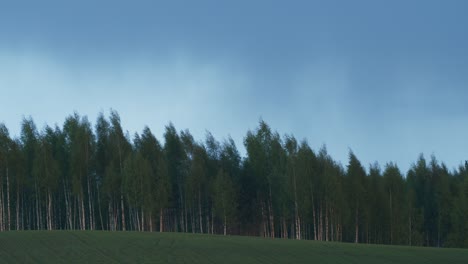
134, 247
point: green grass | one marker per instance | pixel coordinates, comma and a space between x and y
134, 247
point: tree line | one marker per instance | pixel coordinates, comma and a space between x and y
80, 177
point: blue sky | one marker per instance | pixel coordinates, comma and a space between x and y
387, 79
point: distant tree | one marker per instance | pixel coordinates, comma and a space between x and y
18, 182
120, 148
356, 177
395, 192
80, 146
176, 168
440, 181
46, 170
214, 156
417, 188
196, 184
259, 145
459, 214
31, 200
230, 164
5, 149
136, 177
225, 199
294, 181
156, 189
67, 177
102, 161
379, 220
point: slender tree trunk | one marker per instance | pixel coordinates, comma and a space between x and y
175, 226
117, 214
181, 209
438, 230
100, 212
410, 231
391, 219
2, 217
314, 219
49, 217
208, 221
332, 224
90, 207
18, 200
263, 222
142, 220
200, 210
37, 205
225, 221
356, 240
272, 219
192, 220
320, 224
212, 221
83, 214
22, 211
296, 208
185, 217
161, 220
326, 221
135, 218
8, 199
67, 222
151, 221
111, 217
123, 211
41, 214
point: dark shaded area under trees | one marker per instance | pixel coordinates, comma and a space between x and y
99, 178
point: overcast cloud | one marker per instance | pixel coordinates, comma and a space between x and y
387, 79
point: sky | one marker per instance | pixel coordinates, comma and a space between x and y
385, 79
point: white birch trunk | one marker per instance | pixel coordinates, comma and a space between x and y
90, 208
200, 210
123, 212
49, 211
8, 200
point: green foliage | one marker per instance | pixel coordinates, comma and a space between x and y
394, 190
225, 204
72, 177
46, 167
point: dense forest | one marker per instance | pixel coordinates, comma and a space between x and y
100, 178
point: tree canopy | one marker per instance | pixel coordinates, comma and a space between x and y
82, 177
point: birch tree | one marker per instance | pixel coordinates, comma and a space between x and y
356, 176
225, 199
5, 168
46, 170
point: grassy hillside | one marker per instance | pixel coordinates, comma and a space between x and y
133, 247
